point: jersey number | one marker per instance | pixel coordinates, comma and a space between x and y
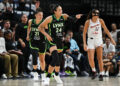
96, 30
58, 30
36, 33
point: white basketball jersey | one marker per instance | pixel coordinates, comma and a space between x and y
95, 29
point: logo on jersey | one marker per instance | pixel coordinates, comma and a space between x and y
94, 26
58, 25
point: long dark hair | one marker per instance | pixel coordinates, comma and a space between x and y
90, 13
38, 10
53, 7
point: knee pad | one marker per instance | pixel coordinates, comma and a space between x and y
60, 59
55, 58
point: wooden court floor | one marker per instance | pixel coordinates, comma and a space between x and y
68, 81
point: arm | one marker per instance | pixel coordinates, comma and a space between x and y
107, 31
77, 47
43, 25
17, 35
84, 34
66, 16
113, 50
29, 29
74, 46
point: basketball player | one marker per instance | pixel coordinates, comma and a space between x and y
93, 27
55, 25
37, 43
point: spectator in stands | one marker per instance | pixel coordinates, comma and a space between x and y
22, 6
20, 36
78, 57
108, 54
108, 47
66, 44
11, 60
114, 31
69, 63
4, 5
11, 16
74, 47
11, 47
34, 5
79, 39
2, 61
6, 26
107, 62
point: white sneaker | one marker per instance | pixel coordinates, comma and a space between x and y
43, 76
47, 81
35, 76
58, 79
4, 76
118, 75
75, 73
107, 74
104, 74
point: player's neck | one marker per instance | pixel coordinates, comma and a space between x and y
57, 16
94, 19
24, 22
38, 21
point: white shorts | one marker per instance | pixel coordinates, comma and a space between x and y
94, 42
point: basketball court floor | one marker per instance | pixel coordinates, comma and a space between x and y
68, 81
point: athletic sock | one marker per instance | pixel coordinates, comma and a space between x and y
56, 73
101, 73
34, 70
93, 69
42, 72
48, 75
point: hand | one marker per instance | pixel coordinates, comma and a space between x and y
27, 38
23, 44
11, 51
4, 53
113, 42
78, 16
49, 38
85, 47
76, 50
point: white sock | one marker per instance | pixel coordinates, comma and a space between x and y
93, 69
107, 71
101, 73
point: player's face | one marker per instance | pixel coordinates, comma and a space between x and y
114, 27
96, 13
24, 18
110, 56
58, 11
71, 34
107, 41
9, 36
7, 25
39, 15
67, 38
